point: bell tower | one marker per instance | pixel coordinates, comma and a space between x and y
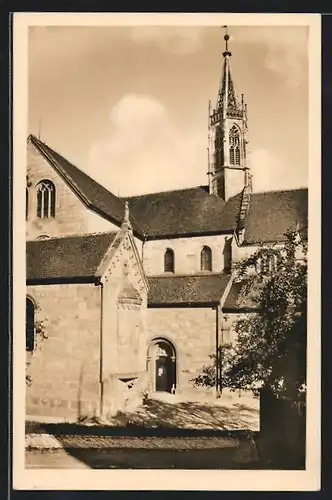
228, 166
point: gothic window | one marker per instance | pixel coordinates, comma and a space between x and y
26, 203
267, 263
206, 259
169, 261
30, 325
45, 199
234, 145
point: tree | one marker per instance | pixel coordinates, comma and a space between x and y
270, 346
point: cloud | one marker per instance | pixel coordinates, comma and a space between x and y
271, 171
176, 40
145, 151
286, 50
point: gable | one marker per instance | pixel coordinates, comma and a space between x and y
122, 262
71, 215
93, 195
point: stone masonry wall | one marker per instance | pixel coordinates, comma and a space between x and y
187, 254
65, 366
192, 331
71, 215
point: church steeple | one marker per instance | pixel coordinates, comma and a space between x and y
228, 136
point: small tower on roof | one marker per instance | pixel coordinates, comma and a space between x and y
126, 221
229, 169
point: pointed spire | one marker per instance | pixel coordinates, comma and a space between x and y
227, 101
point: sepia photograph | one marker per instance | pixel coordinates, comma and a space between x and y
166, 268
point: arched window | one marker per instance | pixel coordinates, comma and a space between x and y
234, 145
169, 261
30, 325
45, 199
267, 263
26, 203
206, 259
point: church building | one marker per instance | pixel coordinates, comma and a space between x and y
127, 297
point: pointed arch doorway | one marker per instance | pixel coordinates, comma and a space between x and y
162, 365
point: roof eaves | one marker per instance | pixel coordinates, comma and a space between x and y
188, 234
166, 305
61, 280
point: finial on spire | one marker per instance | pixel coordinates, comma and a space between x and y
226, 38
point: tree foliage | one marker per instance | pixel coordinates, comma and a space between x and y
270, 337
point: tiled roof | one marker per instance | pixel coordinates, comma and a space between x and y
96, 197
185, 211
177, 290
66, 257
273, 213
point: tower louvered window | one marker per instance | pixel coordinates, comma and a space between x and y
231, 154
45, 200
237, 156
234, 146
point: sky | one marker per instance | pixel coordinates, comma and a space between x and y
129, 105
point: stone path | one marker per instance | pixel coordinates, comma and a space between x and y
46, 441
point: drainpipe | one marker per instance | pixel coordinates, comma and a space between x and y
101, 394
217, 350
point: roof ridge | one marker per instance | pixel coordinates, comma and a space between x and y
35, 139
165, 192
281, 190
195, 275
74, 236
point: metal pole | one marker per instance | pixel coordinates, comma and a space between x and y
220, 369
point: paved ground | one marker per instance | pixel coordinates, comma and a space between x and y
211, 437
154, 453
